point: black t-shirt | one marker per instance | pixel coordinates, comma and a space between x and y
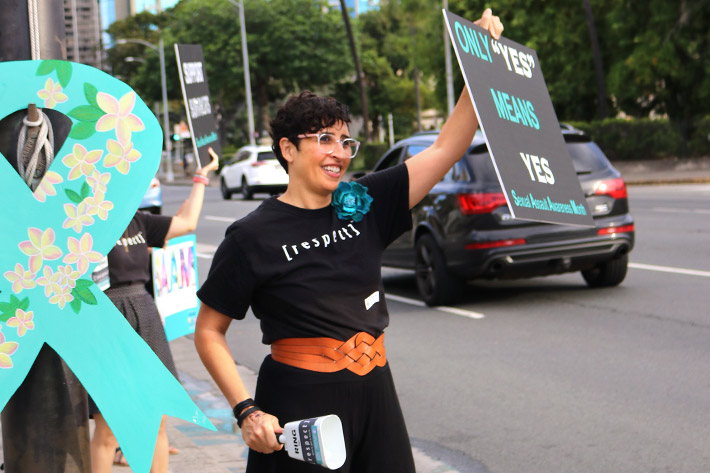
305, 272
129, 260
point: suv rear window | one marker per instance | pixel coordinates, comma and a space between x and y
587, 157
265, 156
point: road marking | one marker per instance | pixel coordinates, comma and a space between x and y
205, 251
219, 219
681, 211
451, 310
668, 269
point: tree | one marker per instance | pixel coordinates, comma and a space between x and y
660, 61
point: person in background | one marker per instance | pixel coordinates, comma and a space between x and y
129, 270
308, 264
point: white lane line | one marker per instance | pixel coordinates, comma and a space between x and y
668, 269
205, 251
219, 219
451, 310
681, 211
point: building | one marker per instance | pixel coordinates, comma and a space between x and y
83, 32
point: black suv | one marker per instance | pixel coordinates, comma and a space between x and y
463, 230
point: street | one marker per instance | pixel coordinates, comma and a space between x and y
546, 375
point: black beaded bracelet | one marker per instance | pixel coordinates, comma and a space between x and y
245, 414
243, 405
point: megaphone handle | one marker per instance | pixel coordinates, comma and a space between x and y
281, 439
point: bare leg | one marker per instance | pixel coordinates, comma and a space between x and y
160, 458
103, 446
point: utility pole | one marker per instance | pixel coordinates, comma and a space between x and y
45, 425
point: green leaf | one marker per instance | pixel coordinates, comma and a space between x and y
86, 113
84, 283
64, 70
82, 130
24, 303
85, 189
46, 67
90, 93
14, 301
75, 304
73, 196
86, 296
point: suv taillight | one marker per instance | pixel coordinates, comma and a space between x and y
258, 163
615, 188
480, 203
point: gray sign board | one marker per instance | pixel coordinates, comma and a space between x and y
520, 126
196, 93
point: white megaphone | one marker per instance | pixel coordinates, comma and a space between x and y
318, 441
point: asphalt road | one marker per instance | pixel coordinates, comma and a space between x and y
545, 375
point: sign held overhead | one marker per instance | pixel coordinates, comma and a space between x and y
519, 124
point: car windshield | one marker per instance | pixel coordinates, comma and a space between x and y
265, 156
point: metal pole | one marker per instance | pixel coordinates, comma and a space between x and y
247, 77
449, 71
166, 121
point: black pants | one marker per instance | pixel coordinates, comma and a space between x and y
376, 439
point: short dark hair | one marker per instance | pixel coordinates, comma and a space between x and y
305, 113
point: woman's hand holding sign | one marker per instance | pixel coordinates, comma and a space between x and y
490, 22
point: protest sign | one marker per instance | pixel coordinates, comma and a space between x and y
175, 285
196, 94
520, 126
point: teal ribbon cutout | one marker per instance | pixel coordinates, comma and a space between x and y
52, 239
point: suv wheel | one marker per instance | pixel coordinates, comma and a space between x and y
246, 192
226, 193
608, 273
435, 284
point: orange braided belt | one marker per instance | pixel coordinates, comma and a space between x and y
360, 354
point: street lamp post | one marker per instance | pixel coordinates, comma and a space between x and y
245, 59
163, 83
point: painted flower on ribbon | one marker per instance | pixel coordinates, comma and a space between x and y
6, 349
49, 281
351, 201
46, 186
78, 216
118, 115
81, 162
40, 247
67, 276
52, 94
20, 278
98, 206
121, 155
98, 181
22, 321
62, 296
81, 253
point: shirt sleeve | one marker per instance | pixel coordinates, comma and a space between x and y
230, 281
156, 228
389, 190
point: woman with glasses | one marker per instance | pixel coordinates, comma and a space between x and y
308, 265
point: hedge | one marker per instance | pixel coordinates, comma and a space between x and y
638, 139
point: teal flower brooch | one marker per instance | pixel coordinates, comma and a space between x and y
351, 201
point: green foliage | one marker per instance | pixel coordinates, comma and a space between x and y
82, 294
700, 141
8, 309
627, 140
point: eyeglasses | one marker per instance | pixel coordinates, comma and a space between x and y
327, 142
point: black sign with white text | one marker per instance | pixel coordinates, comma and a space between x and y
520, 126
196, 93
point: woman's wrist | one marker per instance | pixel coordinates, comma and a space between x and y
200, 179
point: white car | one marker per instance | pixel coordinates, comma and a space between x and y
252, 169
